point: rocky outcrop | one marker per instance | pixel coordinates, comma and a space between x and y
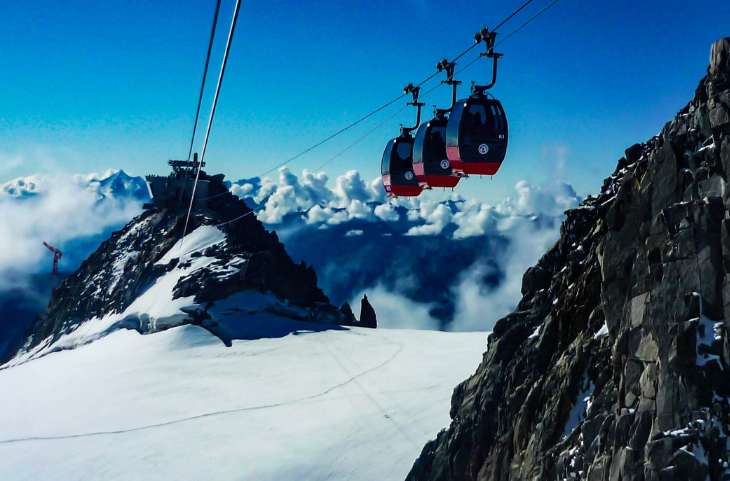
615, 364
367, 313
233, 253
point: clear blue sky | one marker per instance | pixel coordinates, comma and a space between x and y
88, 85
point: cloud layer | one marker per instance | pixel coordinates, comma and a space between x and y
63, 210
310, 198
451, 264
454, 264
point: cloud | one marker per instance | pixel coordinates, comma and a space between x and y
9, 162
310, 197
377, 191
358, 209
350, 186
477, 218
478, 306
318, 214
290, 195
61, 209
474, 219
552, 200
436, 217
456, 263
386, 212
396, 311
243, 190
557, 155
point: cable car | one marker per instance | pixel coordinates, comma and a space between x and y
476, 135
399, 179
477, 130
430, 163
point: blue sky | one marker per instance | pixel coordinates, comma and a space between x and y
89, 85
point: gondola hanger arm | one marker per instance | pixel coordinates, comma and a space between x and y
448, 67
489, 38
415, 91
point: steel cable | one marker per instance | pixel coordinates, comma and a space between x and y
205, 75
222, 72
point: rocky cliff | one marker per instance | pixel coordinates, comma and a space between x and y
145, 277
615, 364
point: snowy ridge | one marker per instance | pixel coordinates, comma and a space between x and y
158, 308
201, 238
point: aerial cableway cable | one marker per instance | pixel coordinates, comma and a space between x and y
528, 21
333, 135
222, 72
386, 104
205, 75
509, 17
471, 47
372, 130
220, 81
512, 33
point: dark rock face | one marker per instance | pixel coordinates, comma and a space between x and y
126, 265
367, 314
615, 364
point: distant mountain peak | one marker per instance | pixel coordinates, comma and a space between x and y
112, 184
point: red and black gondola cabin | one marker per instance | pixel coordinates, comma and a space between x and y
476, 135
396, 168
430, 163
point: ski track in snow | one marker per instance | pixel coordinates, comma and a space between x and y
362, 388
224, 412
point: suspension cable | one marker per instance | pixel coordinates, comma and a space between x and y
220, 81
372, 130
509, 17
205, 75
332, 136
222, 72
361, 138
529, 20
499, 25
513, 32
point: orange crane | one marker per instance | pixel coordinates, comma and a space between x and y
57, 254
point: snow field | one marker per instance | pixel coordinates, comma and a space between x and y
341, 404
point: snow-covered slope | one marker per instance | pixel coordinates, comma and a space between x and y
339, 404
